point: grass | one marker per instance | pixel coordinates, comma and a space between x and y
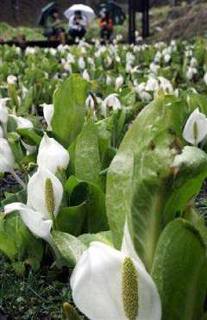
33, 296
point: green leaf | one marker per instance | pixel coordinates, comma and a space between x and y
71, 219
104, 237
190, 169
179, 271
20, 196
69, 109
30, 136
70, 247
17, 243
87, 158
94, 198
137, 174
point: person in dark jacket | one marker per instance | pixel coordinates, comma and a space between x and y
53, 29
106, 26
77, 25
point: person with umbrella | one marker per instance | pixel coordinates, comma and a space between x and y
77, 25
106, 25
78, 16
52, 24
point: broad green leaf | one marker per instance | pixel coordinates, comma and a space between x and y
30, 136
137, 173
17, 243
94, 198
71, 219
189, 171
87, 158
70, 247
20, 196
104, 237
69, 109
179, 271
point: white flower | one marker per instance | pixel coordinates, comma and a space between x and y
152, 85
6, 156
1, 132
119, 82
165, 85
34, 220
48, 112
90, 102
29, 148
30, 50
108, 80
205, 78
86, 75
44, 193
110, 284
81, 63
195, 129
167, 58
191, 72
154, 68
3, 110
193, 62
52, 155
22, 123
112, 101
11, 79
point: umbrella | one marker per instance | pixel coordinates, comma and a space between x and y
116, 13
46, 11
85, 10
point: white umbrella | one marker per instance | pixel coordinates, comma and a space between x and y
85, 10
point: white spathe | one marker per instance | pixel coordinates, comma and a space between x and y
195, 129
3, 110
1, 132
22, 123
96, 285
86, 75
112, 101
11, 79
52, 155
119, 82
32, 219
36, 192
6, 156
48, 112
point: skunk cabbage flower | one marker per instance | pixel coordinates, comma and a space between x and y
152, 85
3, 110
48, 111
112, 102
86, 75
34, 220
195, 129
109, 284
22, 123
119, 82
165, 85
44, 193
90, 102
1, 132
108, 80
11, 79
191, 72
6, 156
52, 155
81, 63
205, 78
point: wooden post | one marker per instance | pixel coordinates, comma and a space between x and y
132, 21
145, 19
